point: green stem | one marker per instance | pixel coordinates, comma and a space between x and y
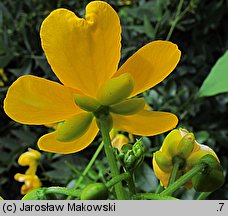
174, 172
111, 158
203, 195
152, 196
90, 164
131, 184
116, 179
63, 190
176, 19
183, 179
159, 189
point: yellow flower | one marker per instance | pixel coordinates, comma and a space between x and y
84, 54
178, 143
30, 179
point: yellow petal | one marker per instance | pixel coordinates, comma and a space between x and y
145, 123
151, 64
37, 101
83, 53
161, 175
49, 142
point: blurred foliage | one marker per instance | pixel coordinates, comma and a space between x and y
202, 35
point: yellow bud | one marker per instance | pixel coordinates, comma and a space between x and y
116, 89
29, 157
74, 127
128, 107
186, 145
87, 103
164, 162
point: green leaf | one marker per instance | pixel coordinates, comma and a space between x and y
217, 81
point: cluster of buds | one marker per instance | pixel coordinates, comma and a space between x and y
131, 156
30, 179
180, 145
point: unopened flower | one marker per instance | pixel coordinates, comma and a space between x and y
84, 53
182, 144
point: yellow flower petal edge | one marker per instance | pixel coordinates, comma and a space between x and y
37, 101
151, 64
145, 123
49, 142
83, 52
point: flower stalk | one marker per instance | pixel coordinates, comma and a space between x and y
182, 180
176, 166
111, 157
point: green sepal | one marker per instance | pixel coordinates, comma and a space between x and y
74, 127
38, 194
87, 103
95, 191
128, 107
164, 162
211, 178
186, 145
116, 89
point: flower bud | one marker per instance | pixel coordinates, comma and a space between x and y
211, 178
125, 148
87, 103
95, 191
130, 160
138, 148
28, 157
128, 107
116, 89
186, 145
74, 127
